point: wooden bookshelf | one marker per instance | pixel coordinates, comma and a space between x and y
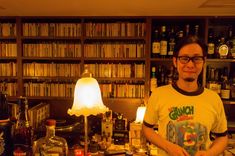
50, 53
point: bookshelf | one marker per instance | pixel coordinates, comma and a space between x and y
46, 56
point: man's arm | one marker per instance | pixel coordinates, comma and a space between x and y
217, 147
156, 139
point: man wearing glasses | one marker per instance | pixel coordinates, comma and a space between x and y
187, 114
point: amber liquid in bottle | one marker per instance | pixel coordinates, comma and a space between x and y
23, 130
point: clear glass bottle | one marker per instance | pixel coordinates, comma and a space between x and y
50, 144
23, 131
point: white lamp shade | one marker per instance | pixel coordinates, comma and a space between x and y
87, 98
140, 114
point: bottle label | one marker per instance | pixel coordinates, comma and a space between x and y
156, 48
163, 48
211, 48
223, 51
171, 48
225, 93
153, 84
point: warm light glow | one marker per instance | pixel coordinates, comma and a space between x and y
87, 98
140, 114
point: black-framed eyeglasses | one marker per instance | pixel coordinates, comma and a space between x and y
195, 59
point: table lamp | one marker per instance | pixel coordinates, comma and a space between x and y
87, 101
137, 139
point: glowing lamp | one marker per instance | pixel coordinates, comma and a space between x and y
87, 101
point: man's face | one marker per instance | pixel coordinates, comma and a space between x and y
189, 68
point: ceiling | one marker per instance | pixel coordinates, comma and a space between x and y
117, 8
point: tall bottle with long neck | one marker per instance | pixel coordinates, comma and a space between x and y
163, 42
156, 45
211, 44
5, 127
23, 130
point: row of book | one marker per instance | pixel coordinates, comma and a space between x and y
122, 90
38, 114
49, 89
9, 87
51, 69
118, 29
7, 29
112, 70
114, 50
8, 69
67, 90
8, 49
52, 49
52, 29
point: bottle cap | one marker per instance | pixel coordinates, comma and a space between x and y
51, 122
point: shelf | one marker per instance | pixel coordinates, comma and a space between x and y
44, 78
54, 38
52, 58
228, 102
220, 60
116, 59
137, 38
101, 42
161, 59
8, 59
7, 38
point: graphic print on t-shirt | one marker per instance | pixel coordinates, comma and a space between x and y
182, 131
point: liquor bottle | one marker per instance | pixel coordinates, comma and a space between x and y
222, 48
232, 48
196, 30
171, 43
170, 75
180, 35
50, 144
23, 130
6, 144
187, 30
212, 79
156, 45
153, 80
230, 45
163, 42
211, 44
225, 86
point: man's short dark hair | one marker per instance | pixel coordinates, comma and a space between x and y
189, 40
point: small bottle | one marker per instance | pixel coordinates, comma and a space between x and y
225, 86
23, 130
50, 144
187, 30
222, 48
6, 144
229, 43
196, 30
163, 42
211, 45
153, 80
156, 45
171, 43
180, 35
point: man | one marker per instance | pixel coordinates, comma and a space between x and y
185, 112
